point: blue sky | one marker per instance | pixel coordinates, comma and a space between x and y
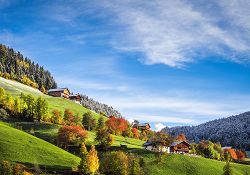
164, 62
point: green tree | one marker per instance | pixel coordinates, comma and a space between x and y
100, 123
93, 160
135, 168
2, 96
227, 169
83, 167
88, 121
41, 108
17, 106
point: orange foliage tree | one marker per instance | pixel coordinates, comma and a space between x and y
181, 137
71, 135
232, 153
135, 132
240, 155
116, 125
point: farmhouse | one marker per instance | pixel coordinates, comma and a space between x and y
141, 126
156, 146
180, 147
61, 92
76, 98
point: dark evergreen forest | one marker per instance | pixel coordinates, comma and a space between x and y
13, 65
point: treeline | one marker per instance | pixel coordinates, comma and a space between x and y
232, 131
98, 107
25, 107
212, 150
13, 65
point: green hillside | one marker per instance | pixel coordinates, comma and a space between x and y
18, 146
48, 131
177, 164
15, 89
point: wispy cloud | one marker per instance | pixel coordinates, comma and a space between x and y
171, 32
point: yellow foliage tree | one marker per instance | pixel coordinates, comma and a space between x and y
93, 160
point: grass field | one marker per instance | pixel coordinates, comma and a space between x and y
18, 146
175, 164
15, 89
49, 132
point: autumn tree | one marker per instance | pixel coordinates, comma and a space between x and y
135, 132
104, 138
68, 117
83, 167
57, 117
2, 96
116, 125
92, 160
115, 163
71, 135
181, 137
240, 155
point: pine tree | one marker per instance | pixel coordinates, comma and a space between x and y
83, 167
101, 123
228, 169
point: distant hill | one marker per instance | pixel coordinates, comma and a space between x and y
232, 131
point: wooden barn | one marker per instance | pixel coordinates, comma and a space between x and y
60, 92
156, 146
180, 147
76, 98
142, 126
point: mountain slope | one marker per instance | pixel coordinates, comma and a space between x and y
15, 88
18, 146
233, 131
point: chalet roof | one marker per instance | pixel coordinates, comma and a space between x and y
143, 124
178, 142
57, 90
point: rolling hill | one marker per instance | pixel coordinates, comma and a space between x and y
18, 146
177, 164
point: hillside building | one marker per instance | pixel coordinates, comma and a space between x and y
60, 92
76, 98
180, 147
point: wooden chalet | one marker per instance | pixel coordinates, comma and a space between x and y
60, 92
76, 98
156, 146
180, 147
142, 126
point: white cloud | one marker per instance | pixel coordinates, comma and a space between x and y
169, 32
159, 127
